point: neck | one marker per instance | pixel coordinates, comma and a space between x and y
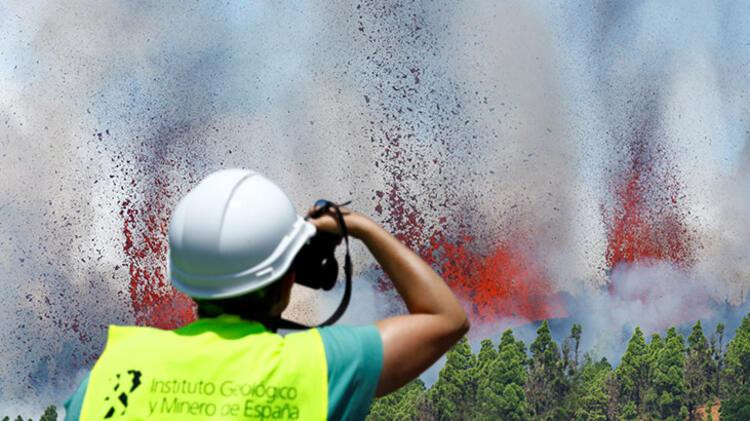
269, 322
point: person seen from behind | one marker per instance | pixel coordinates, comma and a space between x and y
235, 246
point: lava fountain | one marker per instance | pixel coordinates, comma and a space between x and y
155, 302
646, 225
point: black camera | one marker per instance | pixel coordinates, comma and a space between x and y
316, 264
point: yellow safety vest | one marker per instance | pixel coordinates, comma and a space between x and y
213, 369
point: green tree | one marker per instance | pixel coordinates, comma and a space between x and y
575, 336
614, 400
500, 395
546, 383
668, 384
629, 412
699, 369
400, 405
487, 354
50, 414
482, 370
633, 374
651, 398
736, 408
591, 399
654, 348
737, 360
571, 345
452, 395
717, 352
575, 332
567, 358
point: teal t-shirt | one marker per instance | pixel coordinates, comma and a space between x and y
355, 358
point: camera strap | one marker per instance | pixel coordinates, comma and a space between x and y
321, 207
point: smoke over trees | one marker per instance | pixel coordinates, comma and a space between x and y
666, 378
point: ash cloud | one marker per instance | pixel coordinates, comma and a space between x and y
674, 70
476, 118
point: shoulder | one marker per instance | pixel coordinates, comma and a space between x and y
348, 342
354, 355
75, 402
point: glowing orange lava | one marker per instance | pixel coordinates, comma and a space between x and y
502, 284
646, 223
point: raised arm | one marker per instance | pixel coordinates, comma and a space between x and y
436, 320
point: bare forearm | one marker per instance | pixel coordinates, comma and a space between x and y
422, 289
413, 342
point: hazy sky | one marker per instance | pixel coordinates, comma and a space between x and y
495, 116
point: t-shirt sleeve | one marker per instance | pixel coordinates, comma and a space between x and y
355, 358
74, 404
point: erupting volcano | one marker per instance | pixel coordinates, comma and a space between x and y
503, 284
645, 224
497, 279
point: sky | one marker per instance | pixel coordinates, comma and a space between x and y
551, 159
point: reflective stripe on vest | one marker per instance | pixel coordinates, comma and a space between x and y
212, 369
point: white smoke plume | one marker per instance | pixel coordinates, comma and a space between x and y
472, 117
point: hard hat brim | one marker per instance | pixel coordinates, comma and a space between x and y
248, 280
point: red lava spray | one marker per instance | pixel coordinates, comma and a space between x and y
503, 283
155, 302
646, 224
500, 283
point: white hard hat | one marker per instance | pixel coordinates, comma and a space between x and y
234, 233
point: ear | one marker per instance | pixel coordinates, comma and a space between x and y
288, 280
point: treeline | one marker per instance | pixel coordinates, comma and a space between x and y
50, 414
666, 378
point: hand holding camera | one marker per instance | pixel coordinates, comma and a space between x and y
325, 220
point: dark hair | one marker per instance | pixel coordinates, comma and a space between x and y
255, 305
